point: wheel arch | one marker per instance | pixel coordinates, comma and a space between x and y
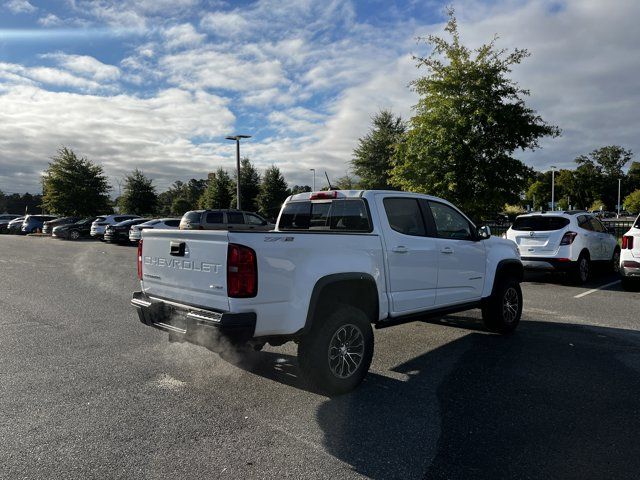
508, 268
351, 288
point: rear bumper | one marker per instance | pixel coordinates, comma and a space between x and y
193, 324
630, 267
547, 263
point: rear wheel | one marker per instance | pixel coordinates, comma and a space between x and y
502, 311
582, 270
615, 261
74, 234
336, 354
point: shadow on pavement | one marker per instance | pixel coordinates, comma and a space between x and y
551, 401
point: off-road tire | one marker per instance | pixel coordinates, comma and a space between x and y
502, 311
328, 352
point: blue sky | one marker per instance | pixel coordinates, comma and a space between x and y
158, 84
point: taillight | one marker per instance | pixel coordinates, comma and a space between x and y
627, 242
140, 259
242, 272
568, 238
324, 195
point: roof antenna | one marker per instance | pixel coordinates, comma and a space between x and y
325, 174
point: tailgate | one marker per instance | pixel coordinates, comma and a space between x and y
187, 267
538, 243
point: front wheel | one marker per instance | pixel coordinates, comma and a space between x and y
74, 234
336, 353
502, 311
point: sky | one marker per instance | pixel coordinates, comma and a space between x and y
158, 84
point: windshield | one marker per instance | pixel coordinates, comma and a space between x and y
336, 215
540, 223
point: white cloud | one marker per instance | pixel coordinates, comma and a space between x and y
86, 66
225, 23
48, 76
183, 35
121, 132
50, 20
20, 6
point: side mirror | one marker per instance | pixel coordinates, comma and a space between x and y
484, 232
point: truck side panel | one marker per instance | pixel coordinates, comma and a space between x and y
291, 263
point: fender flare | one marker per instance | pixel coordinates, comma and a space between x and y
505, 265
329, 280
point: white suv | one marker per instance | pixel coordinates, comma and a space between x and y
630, 256
564, 241
100, 224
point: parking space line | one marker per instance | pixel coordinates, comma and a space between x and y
580, 295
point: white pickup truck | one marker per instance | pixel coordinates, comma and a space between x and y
337, 263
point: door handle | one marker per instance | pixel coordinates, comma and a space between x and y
447, 250
400, 249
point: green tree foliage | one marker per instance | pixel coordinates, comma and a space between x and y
18, 204
347, 182
597, 204
74, 186
3, 202
139, 196
273, 192
598, 173
219, 191
300, 189
632, 202
181, 197
373, 155
249, 186
470, 119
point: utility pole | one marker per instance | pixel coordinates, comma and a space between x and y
314, 178
553, 187
237, 138
619, 181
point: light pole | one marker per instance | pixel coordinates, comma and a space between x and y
553, 187
314, 178
237, 140
619, 181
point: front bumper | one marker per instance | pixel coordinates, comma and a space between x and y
193, 324
547, 263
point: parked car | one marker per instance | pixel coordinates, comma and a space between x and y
224, 220
338, 262
630, 256
135, 232
48, 226
33, 223
5, 218
74, 231
119, 232
100, 224
564, 241
14, 226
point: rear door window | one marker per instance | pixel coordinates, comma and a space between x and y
235, 218
539, 223
172, 223
214, 217
404, 216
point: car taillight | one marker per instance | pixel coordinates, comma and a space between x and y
627, 242
568, 238
242, 272
140, 260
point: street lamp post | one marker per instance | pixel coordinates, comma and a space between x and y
314, 178
619, 181
237, 138
553, 187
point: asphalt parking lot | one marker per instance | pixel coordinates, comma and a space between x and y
89, 392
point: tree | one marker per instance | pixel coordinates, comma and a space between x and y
300, 189
349, 183
372, 157
74, 186
3, 202
181, 197
139, 196
470, 119
632, 202
218, 193
249, 186
273, 192
605, 166
633, 177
